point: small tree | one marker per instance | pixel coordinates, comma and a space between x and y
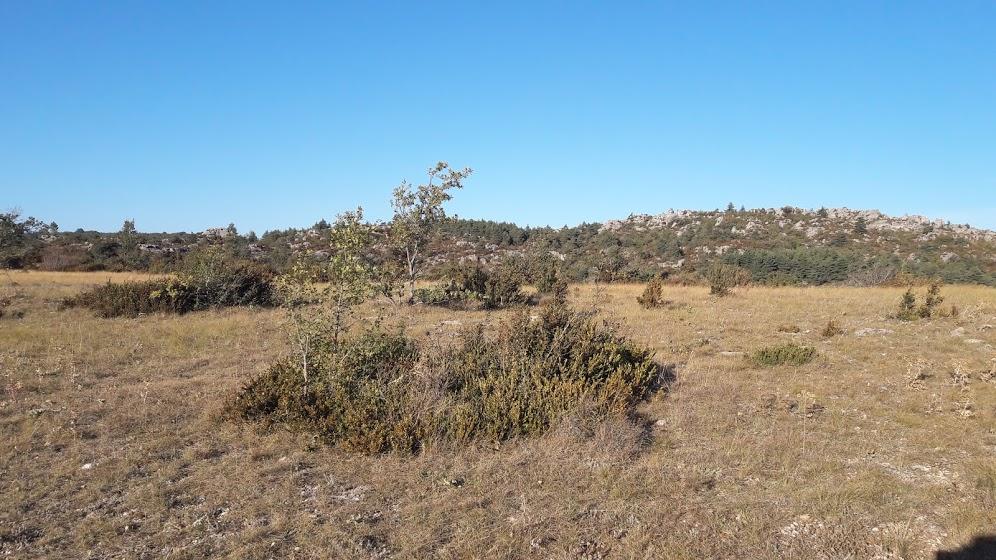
861, 225
653, 294
907, 306
128, 228
931, 301
418, 211
723, 277
18, 238
319, 314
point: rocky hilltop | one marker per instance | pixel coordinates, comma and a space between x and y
812, 222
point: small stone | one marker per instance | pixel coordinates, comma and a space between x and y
871, 331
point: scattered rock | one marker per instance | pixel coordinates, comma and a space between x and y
870, 331
960, 331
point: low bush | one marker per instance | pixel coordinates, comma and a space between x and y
784, 354
723, 277
910, 311
550, 282
197, 288
475, 287
381, 391
653, 294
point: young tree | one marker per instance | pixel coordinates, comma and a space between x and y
418, 211
128, 228
17, 238
320, 313
860, 225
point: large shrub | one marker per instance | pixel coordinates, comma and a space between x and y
206, 281
653, 294
381, 391
723, 277
476, 287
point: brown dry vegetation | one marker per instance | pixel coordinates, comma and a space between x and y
114, 444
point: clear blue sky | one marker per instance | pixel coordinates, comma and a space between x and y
186, 115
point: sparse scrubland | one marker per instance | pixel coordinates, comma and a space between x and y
119, 439
373, 399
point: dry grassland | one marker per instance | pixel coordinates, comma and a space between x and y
112, 443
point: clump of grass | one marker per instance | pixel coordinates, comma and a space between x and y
381, 391
653, 294
789, 328
917, 373
7, 309
832, 329
783, 354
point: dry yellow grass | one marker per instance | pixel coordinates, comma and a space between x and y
112, 444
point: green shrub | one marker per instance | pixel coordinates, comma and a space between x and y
784, 354
907, 306
931, 301
195, 289
351, 398
382, 391
473, 286
723, 277
909, 311
502, 288
653, 294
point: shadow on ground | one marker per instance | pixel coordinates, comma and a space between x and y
981, 548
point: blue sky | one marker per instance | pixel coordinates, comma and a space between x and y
186, 115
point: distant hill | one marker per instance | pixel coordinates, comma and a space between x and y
785, 245
777, 246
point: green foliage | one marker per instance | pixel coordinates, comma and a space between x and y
907, 306
653, 294
931, 301
795, 266
319, 313
474, 286
380, 391
418, 212
860, 226
723, 277
784, 354
210, 281
547, 277
909, 311
20, 241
